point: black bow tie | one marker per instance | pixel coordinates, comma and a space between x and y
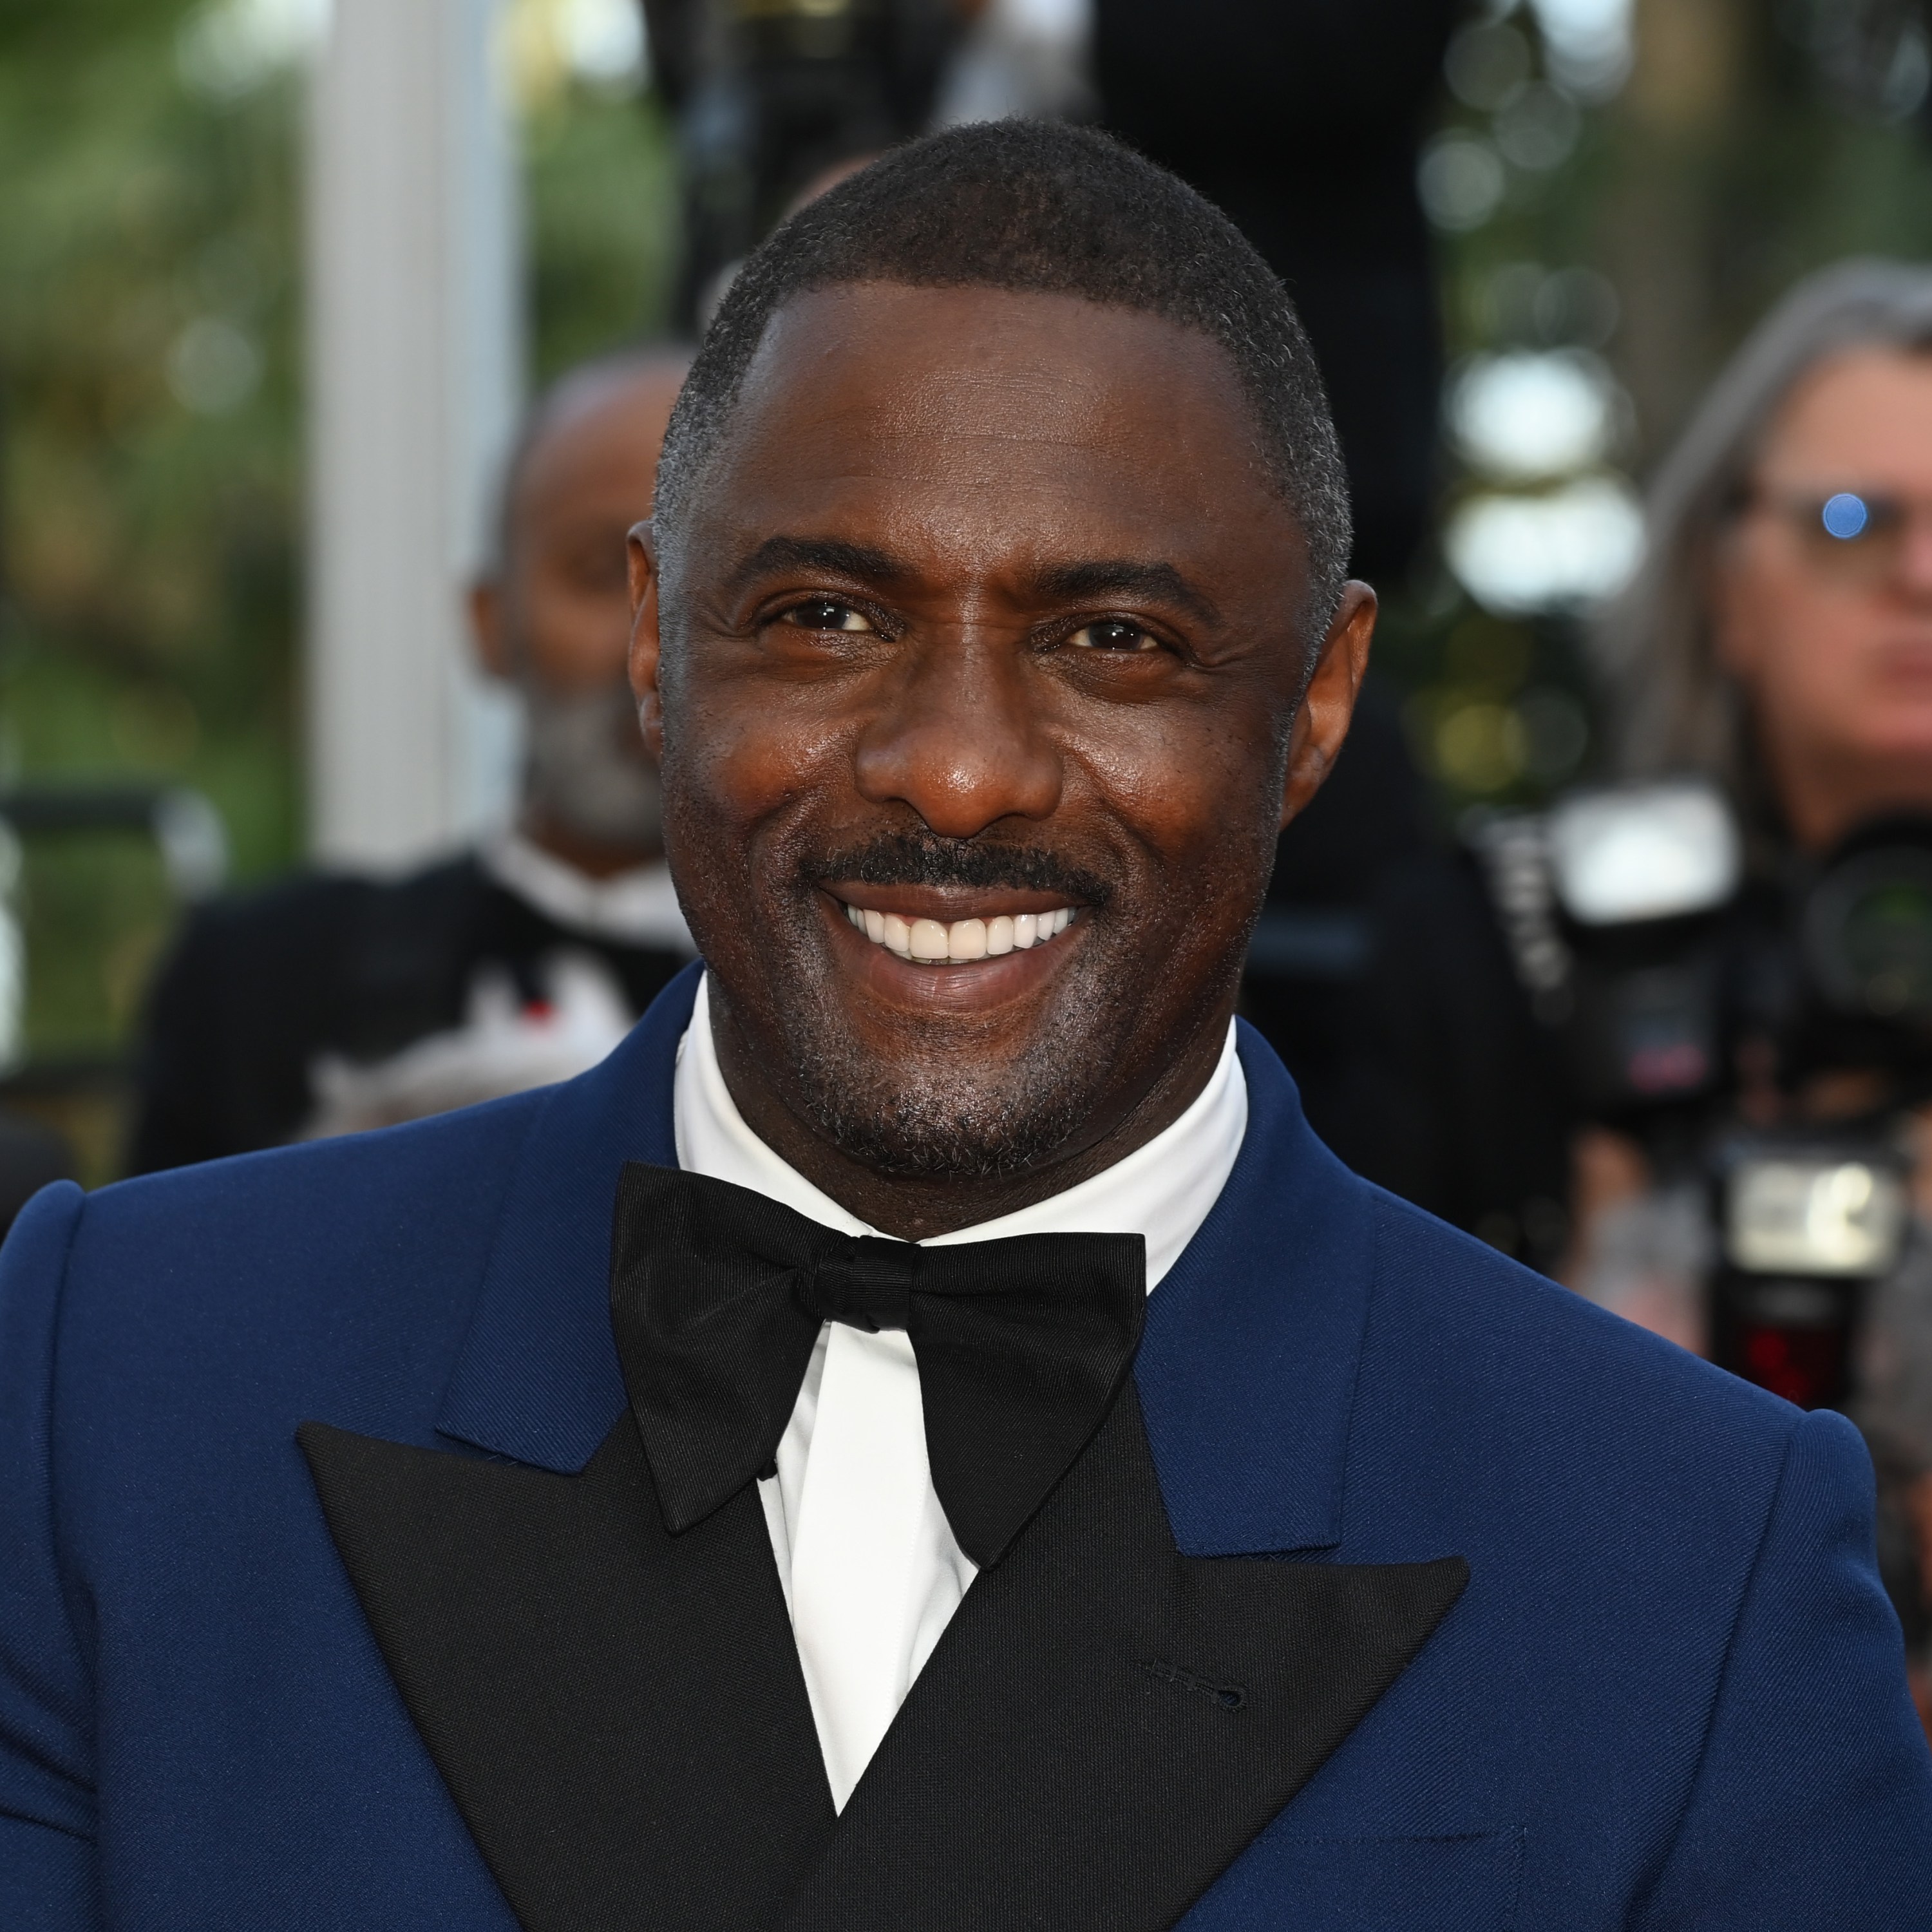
717, 1294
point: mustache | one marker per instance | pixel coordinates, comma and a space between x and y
926, 858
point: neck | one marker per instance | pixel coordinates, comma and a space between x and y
1824, 794
917, 1208
595, 858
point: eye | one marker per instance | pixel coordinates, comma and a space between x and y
823, 613
1113, 634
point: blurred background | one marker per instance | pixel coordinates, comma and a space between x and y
276, 277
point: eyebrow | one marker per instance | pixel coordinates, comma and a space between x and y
1100, 576
1124, 576
810, 553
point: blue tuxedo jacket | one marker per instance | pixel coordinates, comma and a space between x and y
1401, 1589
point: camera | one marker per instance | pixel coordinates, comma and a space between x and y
1761, 1030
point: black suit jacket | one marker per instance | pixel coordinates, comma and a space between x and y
258, 986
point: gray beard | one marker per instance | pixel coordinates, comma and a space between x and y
585, 768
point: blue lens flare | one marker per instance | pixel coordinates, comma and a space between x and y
1845, 516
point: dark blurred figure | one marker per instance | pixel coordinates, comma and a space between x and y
31, 1157
772, 95
1303, 119
1459, 1102
1317, 939
333, 1002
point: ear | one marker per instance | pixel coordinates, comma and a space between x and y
489, 634
1329, 703
646, 641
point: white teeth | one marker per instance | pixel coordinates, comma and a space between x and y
933, 944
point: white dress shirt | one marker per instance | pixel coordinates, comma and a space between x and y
637, 907
871, 1574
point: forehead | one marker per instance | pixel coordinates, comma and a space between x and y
982, 419
1865, 416
603, 439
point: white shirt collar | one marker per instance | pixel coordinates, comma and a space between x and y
1162, 1191
637, 907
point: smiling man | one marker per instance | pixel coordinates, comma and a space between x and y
923, 1437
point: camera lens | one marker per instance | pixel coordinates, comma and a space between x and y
1868, 935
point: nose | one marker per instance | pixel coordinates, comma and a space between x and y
961, 740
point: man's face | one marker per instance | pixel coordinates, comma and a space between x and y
979, 660
584, 482
558, 621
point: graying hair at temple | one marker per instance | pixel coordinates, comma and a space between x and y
1672, 706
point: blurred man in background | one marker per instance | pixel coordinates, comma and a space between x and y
333, 1003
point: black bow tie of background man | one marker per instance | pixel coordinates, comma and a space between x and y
717, 1294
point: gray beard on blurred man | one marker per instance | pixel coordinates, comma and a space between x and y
584, 765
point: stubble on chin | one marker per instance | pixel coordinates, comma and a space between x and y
942, 1111
931, 1099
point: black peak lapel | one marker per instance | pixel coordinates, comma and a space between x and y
618, 1714
1106, 1724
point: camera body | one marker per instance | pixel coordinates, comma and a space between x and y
1761, 1032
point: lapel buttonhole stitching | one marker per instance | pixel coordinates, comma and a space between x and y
1230, 1697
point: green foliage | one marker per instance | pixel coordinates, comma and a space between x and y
148, 352
601, 189
151, 454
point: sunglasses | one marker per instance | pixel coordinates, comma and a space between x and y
1861, 532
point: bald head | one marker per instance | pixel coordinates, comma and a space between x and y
603, 420
553, 617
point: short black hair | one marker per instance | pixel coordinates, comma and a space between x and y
1038, 207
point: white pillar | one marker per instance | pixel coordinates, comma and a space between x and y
415, 355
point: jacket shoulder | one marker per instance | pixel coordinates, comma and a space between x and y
323, 1223
1513, 1352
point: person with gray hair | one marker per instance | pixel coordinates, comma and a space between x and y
1761, 642
1778, 641
1621, 1097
